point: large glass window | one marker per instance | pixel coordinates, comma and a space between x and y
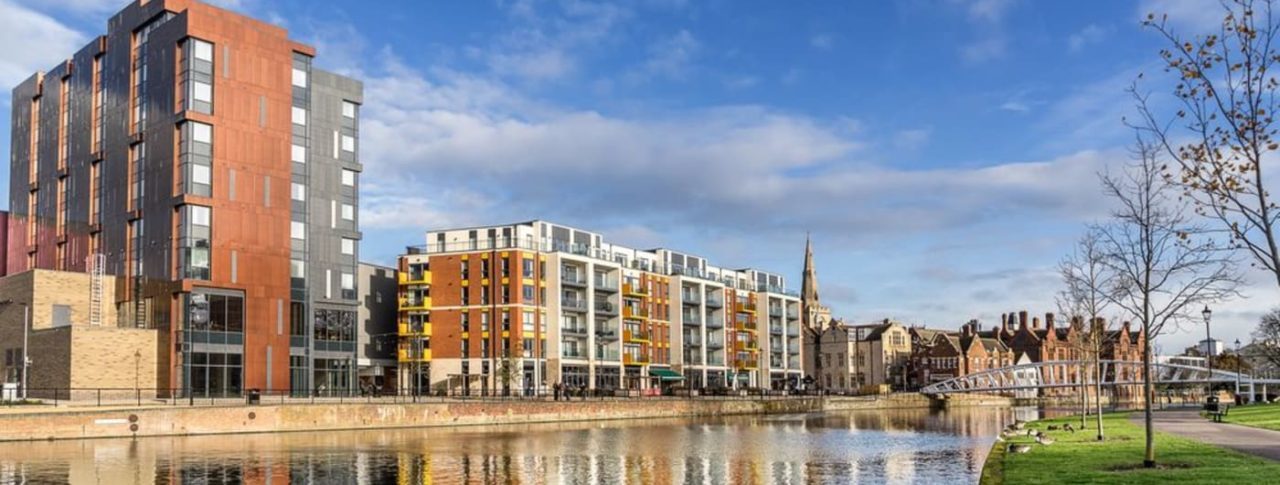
195, 228
197, 76
348, 246
334, 325
216, 374
196, 158
348, 177
348, 109
298, 154
298, 230
348, 286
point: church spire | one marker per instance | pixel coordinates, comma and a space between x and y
809, 286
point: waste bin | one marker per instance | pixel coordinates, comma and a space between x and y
1211, 404
254, 396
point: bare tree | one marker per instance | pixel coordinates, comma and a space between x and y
1165, 265
1224, 129
1089, 284
1266, 339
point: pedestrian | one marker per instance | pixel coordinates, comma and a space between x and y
555, 390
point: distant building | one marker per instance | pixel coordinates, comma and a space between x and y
858, 357
1212, 347
815, 316
376, 339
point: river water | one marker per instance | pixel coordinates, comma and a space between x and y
895, 446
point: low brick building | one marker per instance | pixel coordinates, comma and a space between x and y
72, 347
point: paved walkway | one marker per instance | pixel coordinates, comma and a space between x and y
1189, 424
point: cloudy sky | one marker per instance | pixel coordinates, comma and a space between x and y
943, 153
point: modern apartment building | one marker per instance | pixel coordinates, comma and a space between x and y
531, 304
198, 157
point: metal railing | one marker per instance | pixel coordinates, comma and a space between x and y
75, 397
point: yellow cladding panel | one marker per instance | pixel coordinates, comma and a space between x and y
424, 280
423, 304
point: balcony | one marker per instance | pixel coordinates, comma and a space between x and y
715, 343
714, 301
573, 354
776, 362
607, 355
775, 311
635, 336
603, 284
606, 308
746, 346
407, 355
606, 334
690, 319
629, 359
634, 290
747, 364
573, 305
408, 278
415, 304
793, 363
744, 307
690, 298
574, 331
793, 349
414, 329
775, 329
793, 314
635, 313
573, 279
793, 331
692, 358
692, 340
715, 322
715, 360
742, 326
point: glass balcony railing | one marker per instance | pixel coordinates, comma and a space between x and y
607, 334
603, 284
573, 354
606, 308
574, 304
714, 301
576, 330
693, 340
690, 319
573, 279
607, 355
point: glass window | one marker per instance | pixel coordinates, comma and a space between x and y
299, 78
200, 174
348, 246
299, 191
202, 91
297, 268
348, 143
348, 281
201, 132
349, 109
204, 50
199, 215
348, 212
299, 154
299, 116
297, 230
348, 177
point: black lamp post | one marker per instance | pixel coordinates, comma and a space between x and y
1208, 348
1239, 367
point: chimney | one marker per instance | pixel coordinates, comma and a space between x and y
1048, 321
1022, 319
966, 329
1035, 323
1004, 321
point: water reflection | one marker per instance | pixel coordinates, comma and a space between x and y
881, 446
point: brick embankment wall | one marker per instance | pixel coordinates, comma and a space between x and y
322, 417
170, 421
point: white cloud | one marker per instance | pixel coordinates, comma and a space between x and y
1015, 106
33, 42
983, 50
822, 41
1090, 34
912, 139
991, 11
1197, 16
669, 58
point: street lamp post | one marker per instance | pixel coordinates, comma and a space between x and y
1239, 367
1208, 349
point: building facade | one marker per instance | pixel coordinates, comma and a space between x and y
865, 358
376, 334
517, 307
199, 158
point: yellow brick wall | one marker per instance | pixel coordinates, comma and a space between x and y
113, 357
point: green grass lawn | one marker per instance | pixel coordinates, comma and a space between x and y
1265, 416
1079, 458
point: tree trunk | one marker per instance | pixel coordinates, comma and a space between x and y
1097, 389
1084, 396
1149, 460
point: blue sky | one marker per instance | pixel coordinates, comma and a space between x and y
943, 153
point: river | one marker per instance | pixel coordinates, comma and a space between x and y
897, 446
